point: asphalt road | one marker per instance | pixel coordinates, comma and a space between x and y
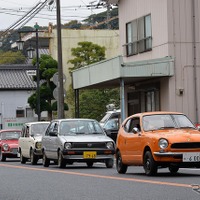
77, 182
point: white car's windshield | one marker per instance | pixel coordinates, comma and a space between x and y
38, 129
77, 127
166, 121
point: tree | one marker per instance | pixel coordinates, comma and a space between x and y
47, 68
86, 53
92, 102
10, 57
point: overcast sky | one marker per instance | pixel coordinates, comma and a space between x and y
12, 10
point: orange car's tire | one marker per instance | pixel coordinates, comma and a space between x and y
150, 166
121, 168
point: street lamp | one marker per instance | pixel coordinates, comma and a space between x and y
30, 50
20, 45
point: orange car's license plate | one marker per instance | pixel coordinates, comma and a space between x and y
89, 154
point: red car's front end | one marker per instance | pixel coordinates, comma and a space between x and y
9, 144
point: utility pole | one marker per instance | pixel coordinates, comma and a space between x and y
60, 103
108, 16
37, 72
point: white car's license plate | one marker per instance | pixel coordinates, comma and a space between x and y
191, 157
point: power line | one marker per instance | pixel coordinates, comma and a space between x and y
27, 17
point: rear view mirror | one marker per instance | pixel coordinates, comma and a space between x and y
135, 130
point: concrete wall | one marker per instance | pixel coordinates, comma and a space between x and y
70, 39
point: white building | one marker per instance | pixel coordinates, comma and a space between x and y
15, 89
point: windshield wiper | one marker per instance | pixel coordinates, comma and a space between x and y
80, 133
165, 127
188, 127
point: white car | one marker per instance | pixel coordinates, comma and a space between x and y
77, 140
29, 144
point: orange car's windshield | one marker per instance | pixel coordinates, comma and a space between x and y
166, 121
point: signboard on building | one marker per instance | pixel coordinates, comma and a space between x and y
15, 123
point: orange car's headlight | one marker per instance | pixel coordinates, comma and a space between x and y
163, 143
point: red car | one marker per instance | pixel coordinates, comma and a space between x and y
9, 143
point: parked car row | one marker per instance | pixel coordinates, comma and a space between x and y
151, 139
65, 141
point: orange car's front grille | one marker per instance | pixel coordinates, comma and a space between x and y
186, 145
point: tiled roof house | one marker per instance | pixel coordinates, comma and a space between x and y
16, 86
15, 77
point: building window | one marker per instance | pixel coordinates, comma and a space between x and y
138, 36
20, 113
152, 101
132, 46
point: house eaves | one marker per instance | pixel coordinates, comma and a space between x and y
108, 73
15, 77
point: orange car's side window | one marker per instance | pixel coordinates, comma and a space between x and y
132, 123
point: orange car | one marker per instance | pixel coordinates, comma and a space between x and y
157, 139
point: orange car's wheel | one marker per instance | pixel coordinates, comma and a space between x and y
150, 166
121, 168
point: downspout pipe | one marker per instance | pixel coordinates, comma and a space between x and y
194, 62
122, 102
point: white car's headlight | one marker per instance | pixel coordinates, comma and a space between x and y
38, 145
110, 145
5, 147
163, 143
68, 145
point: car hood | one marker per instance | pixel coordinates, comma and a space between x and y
86, 138
183, 135
38, 138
